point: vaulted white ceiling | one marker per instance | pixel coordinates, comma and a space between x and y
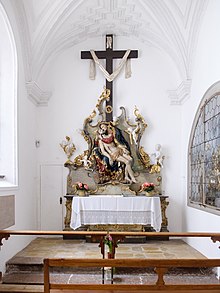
50, 26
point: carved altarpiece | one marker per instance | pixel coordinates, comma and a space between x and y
114, 164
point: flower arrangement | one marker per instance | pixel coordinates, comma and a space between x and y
146, 186
108, 240
82, 186
80, 189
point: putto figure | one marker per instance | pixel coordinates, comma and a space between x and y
156, 157
113, 153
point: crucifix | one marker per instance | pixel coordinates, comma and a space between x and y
109, 54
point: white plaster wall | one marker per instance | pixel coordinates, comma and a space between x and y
206, 73
25, 195
75, 96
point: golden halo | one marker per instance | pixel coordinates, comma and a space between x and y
108, 109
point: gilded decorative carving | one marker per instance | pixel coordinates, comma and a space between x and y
117, 188
136, 130
102, 153
117, 228
68, 148
104, 97
85, 136
164, 205
144, 157
109, 109
140, 118
113, 154
127, 190
155, 169
68, 213
81, 160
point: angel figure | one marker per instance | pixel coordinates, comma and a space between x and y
156, 158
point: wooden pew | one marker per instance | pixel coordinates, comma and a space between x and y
161, 266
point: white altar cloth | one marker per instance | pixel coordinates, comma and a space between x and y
107, 209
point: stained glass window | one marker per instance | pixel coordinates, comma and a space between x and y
204, 156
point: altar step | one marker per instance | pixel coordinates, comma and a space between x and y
22, 273
33, 275
26, 267
33, 282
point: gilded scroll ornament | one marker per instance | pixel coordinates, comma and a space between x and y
136, 130
82, 160
104, 97
144, 157
155, 169
140, 118
164, 205
69, 148
68, 213
108, 109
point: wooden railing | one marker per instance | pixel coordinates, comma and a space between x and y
99, 235
161, 266
5, 234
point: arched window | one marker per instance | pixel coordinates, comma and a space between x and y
204, 154
8, 104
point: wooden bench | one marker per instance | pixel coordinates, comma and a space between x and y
161, 266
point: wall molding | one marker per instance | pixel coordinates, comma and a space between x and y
37, 95
24, 37
180, 94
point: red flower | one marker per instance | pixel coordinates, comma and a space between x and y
82, 186
146, 186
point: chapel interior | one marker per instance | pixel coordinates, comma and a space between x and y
108, 104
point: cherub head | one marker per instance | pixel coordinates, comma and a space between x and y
157, 147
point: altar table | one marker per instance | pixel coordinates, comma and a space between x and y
106, 209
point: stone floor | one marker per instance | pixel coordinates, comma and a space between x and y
40, 248
26, 267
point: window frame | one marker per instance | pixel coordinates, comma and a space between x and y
212, 92
8, 107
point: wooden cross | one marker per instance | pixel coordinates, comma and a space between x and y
109, 54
